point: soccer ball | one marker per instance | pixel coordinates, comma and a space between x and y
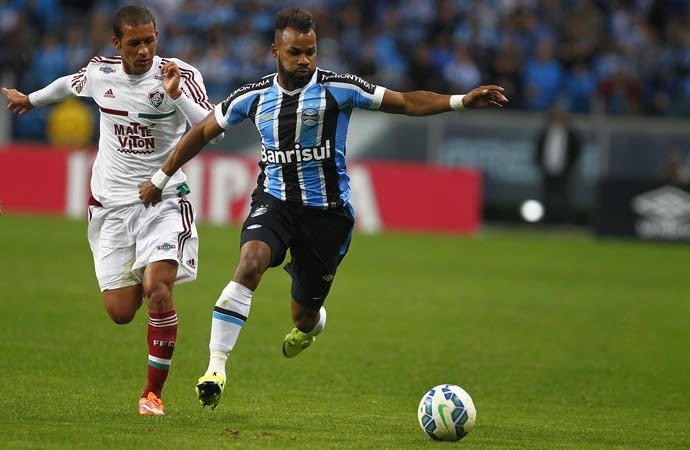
446, 413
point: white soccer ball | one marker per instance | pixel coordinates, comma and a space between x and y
446, 412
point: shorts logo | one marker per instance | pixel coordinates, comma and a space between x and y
328, 278
310, 117
254, 226
166, 247
156, 97
259, 211
191, 262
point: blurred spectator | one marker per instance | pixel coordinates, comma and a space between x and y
558, 148
48, 63
391, 62
415, 20
543, 77
77, 48
216, 69
461, 73
442, 50
506, 70
673, 170
580, 87
351, 39
621, 93
329, 55
17, 39
478, 31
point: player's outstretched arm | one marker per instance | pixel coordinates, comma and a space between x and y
188, 147
18, 103
424, 103
55, 92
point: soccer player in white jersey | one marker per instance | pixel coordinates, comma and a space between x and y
301, 201
139, 253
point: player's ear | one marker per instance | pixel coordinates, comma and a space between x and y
116, 43
274, 50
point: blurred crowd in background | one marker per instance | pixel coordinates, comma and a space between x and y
619, 57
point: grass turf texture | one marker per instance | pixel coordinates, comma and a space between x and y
563, 341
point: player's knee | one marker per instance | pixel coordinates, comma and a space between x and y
122, 304
159, 296
121, 316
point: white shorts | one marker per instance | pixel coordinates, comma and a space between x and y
124, 240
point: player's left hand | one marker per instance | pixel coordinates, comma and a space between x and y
483, 96
171, 82
149, 193
18, 103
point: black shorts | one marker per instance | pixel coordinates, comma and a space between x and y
318, 240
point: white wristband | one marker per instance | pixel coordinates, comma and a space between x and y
456, 102
160, 179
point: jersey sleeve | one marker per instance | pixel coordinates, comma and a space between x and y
79, 82
56, 91
353, 91
237, 106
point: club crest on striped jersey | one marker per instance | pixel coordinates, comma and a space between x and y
156, 97
310, 117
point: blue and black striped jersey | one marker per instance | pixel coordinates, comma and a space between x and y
303, 133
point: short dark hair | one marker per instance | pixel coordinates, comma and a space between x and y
298, 18
132, 15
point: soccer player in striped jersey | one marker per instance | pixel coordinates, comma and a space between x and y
145, 103
301, 201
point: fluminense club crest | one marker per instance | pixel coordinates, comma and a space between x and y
156, 97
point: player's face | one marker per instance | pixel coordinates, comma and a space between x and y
137, 47
295, 54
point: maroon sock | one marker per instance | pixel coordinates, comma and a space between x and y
161, 336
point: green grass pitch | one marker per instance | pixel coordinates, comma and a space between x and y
563, 341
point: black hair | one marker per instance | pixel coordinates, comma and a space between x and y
132, 15
298, 18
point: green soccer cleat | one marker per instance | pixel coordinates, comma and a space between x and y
296, 341
209, 389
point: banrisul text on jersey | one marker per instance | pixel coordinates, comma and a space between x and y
298, 154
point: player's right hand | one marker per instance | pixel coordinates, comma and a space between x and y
171, 82
19, 103
149, 194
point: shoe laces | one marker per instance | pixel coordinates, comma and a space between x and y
151, 397
298, 338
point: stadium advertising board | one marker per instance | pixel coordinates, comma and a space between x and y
386, 196
644, 210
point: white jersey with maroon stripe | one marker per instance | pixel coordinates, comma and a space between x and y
139, 126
